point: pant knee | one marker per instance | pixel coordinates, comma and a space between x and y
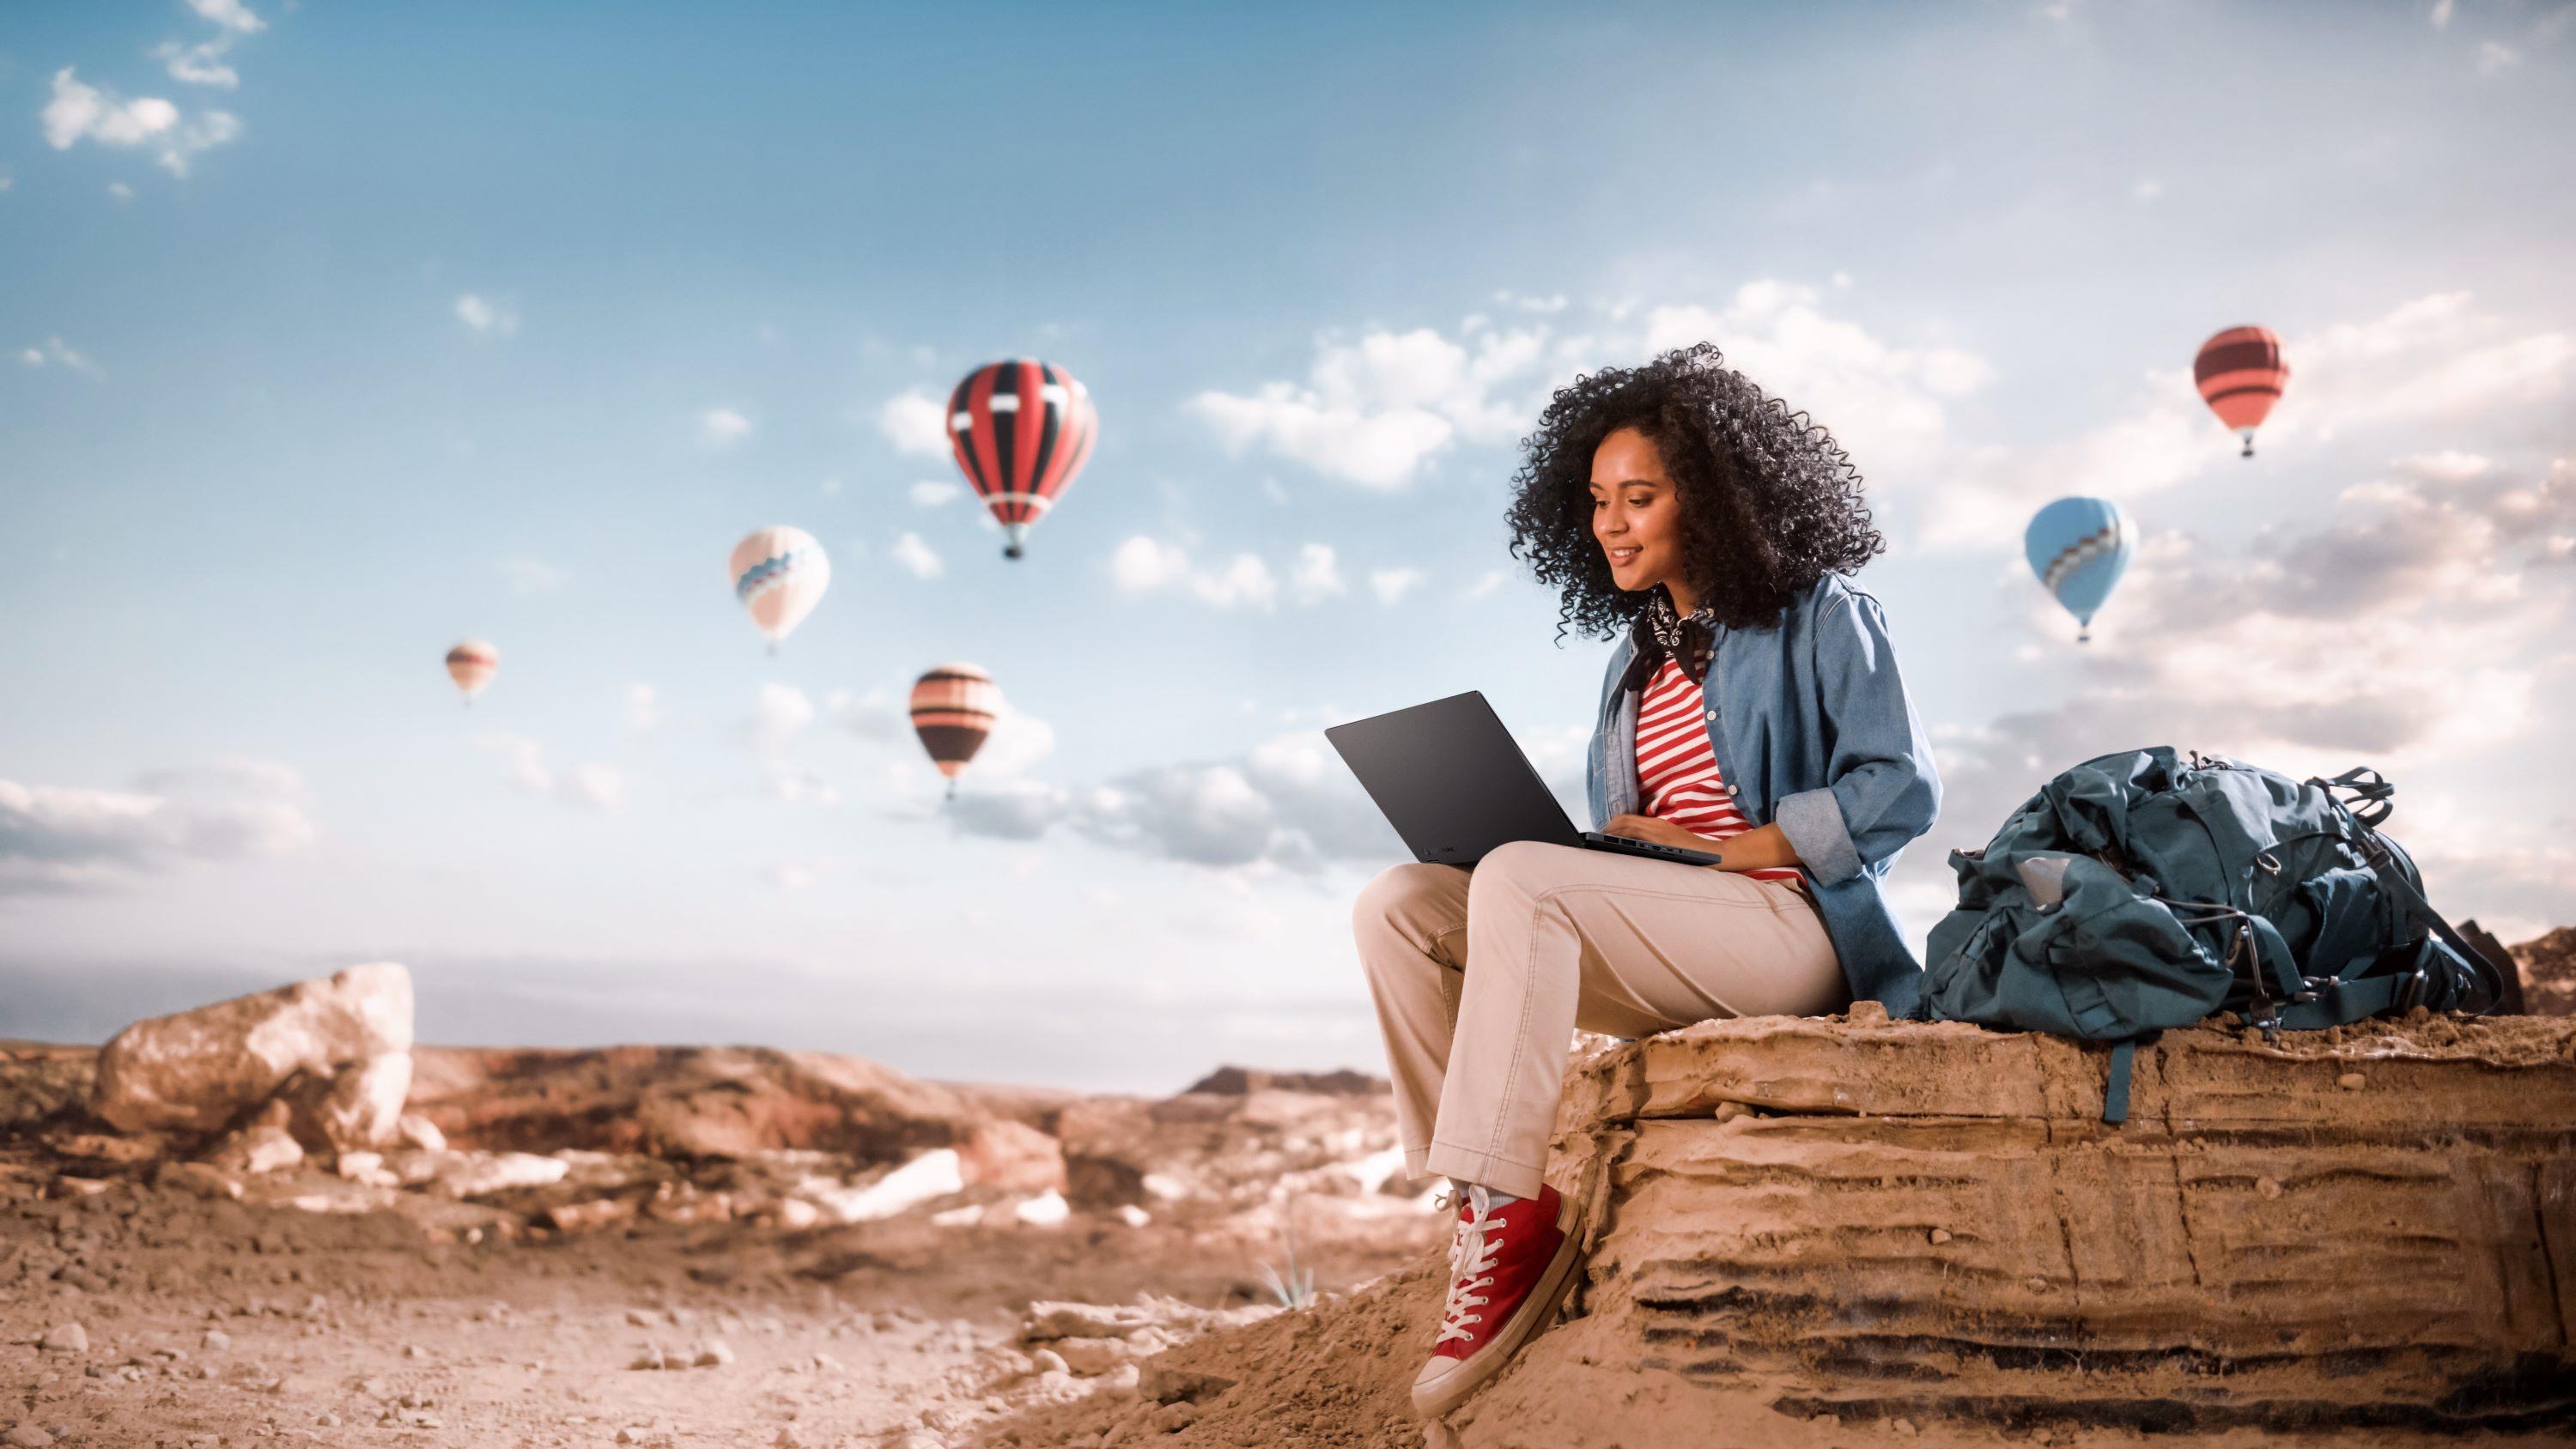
1397, 899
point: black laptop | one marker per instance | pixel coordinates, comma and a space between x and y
1454, 783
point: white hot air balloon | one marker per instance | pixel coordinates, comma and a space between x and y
779, 574
472, 664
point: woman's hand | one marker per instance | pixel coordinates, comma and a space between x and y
1661, 832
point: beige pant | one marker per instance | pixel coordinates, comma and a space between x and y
1559, 938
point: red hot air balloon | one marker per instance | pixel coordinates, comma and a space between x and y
952, 710
1020, 430
2240, 373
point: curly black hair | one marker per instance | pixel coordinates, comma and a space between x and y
1770, 503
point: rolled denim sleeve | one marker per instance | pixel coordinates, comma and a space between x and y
1884, 790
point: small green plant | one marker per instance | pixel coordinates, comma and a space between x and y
1294, 1289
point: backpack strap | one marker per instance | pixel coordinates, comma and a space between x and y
2115, 1090
2115, 1087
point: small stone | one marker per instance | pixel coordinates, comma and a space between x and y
1173, 1386
650, 1358
824, 1363
1940, 1235
2352, 1081
788, 1438
327, 1419
714, 1354
27, 1436
2267, 1188
65, 1338
1902, 1428
216, 1338
642, 1319
1173, 1418
1048, 1360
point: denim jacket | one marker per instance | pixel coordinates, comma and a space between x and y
1813, 731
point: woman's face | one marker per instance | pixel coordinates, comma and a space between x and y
1636, 511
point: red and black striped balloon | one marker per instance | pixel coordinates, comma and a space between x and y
1020, 430
2240, 373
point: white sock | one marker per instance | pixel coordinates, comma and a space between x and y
1494, 1197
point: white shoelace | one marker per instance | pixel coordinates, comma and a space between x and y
1471, 1262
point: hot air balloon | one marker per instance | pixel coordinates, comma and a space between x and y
779, 574
472, 664
2241, 374
2079, 547
952, 710
1020, 430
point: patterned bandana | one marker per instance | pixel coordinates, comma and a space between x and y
1674, 633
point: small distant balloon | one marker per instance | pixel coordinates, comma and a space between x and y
1020, 431
952, 710
779, 574
2079, 547
2241, 373
472, 664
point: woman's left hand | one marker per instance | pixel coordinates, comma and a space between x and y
1659, 832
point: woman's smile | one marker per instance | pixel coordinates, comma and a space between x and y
1636, 513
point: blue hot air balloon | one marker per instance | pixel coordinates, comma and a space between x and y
2079, 547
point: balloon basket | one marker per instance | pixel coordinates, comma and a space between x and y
1011, 551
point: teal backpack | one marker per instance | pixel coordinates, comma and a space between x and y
2138, 891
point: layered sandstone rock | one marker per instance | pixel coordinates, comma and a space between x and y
1880, 1219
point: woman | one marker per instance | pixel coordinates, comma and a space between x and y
1752, 710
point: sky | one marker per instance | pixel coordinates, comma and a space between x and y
334, 334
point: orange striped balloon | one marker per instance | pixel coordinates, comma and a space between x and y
952, 710
472, 664
2241, 374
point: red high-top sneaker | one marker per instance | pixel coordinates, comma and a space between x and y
1508, 1269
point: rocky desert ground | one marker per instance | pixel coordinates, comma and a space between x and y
281, 1219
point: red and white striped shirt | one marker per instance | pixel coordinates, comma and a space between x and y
1677, 769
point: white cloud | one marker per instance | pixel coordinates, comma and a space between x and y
81, 112
120, 191
1143, 565
779, 713
2441, 15
1318, 575
201, 64
598, 786
1374, 411
2147, 190
1286, 804
643, 708
916, 423
54, 352
71, 838
1885, 403
230, 14
917, 557
1545, 306
722, 427
932, 494
2495, 59
1491, 580
6, 180
533, 575
483, 314
1391, 585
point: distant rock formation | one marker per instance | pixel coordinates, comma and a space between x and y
1242, 1081
2549, 972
